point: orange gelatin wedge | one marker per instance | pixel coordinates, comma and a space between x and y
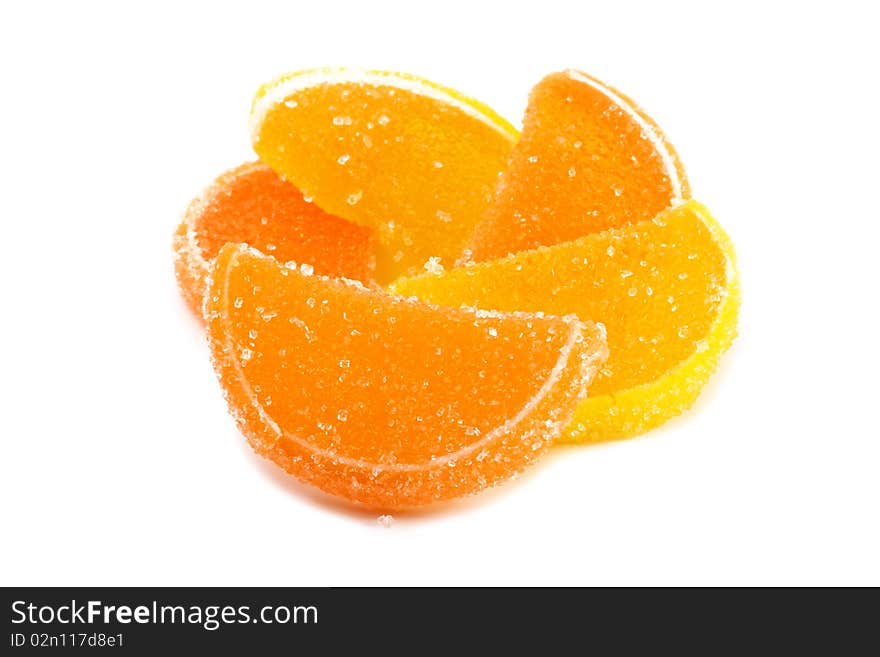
414, 160
387, 401
251, 204
666, 290
588, 159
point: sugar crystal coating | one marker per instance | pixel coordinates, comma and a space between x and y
414, 160
588, 159
251, 204
391, 402
665, 289
386, 401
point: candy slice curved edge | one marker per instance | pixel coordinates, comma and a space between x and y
650, 129
274, 92
641, 408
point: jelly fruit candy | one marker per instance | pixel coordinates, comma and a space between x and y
252, 204
666, 290
588, 159
387, 401
416, 161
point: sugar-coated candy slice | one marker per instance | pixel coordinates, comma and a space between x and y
387, 401
666, 290
414, 160
251, 204
588, 159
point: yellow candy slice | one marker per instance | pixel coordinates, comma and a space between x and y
667, 291
416, 161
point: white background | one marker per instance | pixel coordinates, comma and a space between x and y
120, 465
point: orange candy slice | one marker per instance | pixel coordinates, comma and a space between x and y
588, 159
414, 160
252, 204
666, 290
387, 401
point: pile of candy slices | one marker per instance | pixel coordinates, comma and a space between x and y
407, 300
